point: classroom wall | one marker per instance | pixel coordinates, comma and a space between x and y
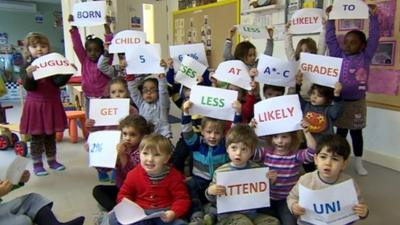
18, 24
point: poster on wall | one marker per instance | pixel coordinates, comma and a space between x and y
385, 54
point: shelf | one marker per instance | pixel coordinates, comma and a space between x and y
262, 9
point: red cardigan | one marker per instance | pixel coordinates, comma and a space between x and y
171, 192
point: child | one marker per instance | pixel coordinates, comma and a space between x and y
271, 91
241, 142
154, 185
94, 82
152, 99
104, 66
133, 129
357, 54
331, 159
284, 160
28, 209
43, 113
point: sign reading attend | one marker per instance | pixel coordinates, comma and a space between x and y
123, 39
128, 212
278, 115
213, 102
108, 112
102, 148
318, 69
307, 20
329, 206
189, 71
196, 51
349, 9
144, 59
256, 32
91, 13
245, 189
234, 72
275, 71
51, 64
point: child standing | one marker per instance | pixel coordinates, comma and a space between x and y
357, 54
241, 142
284, 160
133, 129
331, 158
43, 113
154, 185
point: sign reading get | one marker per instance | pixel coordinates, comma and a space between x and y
108, 112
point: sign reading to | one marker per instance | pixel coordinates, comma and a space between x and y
189, 72
144, 59
275, 71
91, 13
123, 39
323, 70
234, 72
51, 64
349, 9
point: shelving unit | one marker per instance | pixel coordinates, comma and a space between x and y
262, 9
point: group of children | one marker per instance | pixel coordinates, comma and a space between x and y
149, 169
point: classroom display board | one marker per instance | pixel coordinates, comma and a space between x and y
209, 24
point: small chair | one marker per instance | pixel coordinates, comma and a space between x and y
72, 117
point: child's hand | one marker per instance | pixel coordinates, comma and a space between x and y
199, 78
216, 190
122, 150
214, 82
361, 210
299, 78
373, 9
272, 175
70, 18
25, 177
328, 10
338, 89
170, 62
5, 187
270, 31
163, 64
237, 106
297, 210
90, 123
30, 70
305, 125
168, 216
186, 106
232, 32
106, 45
253, 72
253, 123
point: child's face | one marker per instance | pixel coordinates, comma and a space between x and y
211, 134
270, 93
38, 50
118, 90
281, 142
352, 44
329, 165
304, 48
131, 135
150, 92
239, 154
316, 98
250, 59
153, 160
93, 51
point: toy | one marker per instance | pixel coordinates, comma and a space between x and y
10, 139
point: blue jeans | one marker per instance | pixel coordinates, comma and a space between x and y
197, 187
156, 221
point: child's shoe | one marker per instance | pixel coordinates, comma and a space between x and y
54, 165
197, 219
103, 176
113, 176
360, 167
39, 170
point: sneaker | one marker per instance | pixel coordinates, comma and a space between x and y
103, 176
197, 219
359, 167
98, 218
39, 170
54, 165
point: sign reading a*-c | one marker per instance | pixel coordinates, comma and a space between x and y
123, 39
275, 71
144, 59
349, 9
89, 13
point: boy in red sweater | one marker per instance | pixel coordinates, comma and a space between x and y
154, 185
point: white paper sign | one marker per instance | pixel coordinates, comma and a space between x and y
245, 189
16, 169
189, 72
196, 51
329, 206
144, 59
125, 38
307, 20
128, 212
102, 148
51, 64
349, 9
234, 72
323, 70
91, 13
106, 112
278, 115
213, 102
276, 71
256, 32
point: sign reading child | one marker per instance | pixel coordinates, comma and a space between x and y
123, 39
255, 32
213, 102
108, 112
323, 70
332, 205
245, 189
276, 71
234, 72
102, 148
91, 13
278, 115
51, 64
305, 21
196, 51
189, 71
144, 59
349, 9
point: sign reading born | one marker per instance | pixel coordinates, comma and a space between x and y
234, 72
189, 71
196, 51
275, 71
51, 64
124, 38
89, 13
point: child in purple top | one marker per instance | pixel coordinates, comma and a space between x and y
133, 129
357, 53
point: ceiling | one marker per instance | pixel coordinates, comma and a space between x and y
38, 1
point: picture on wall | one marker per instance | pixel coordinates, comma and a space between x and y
387, 11
347, 25
385, 54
